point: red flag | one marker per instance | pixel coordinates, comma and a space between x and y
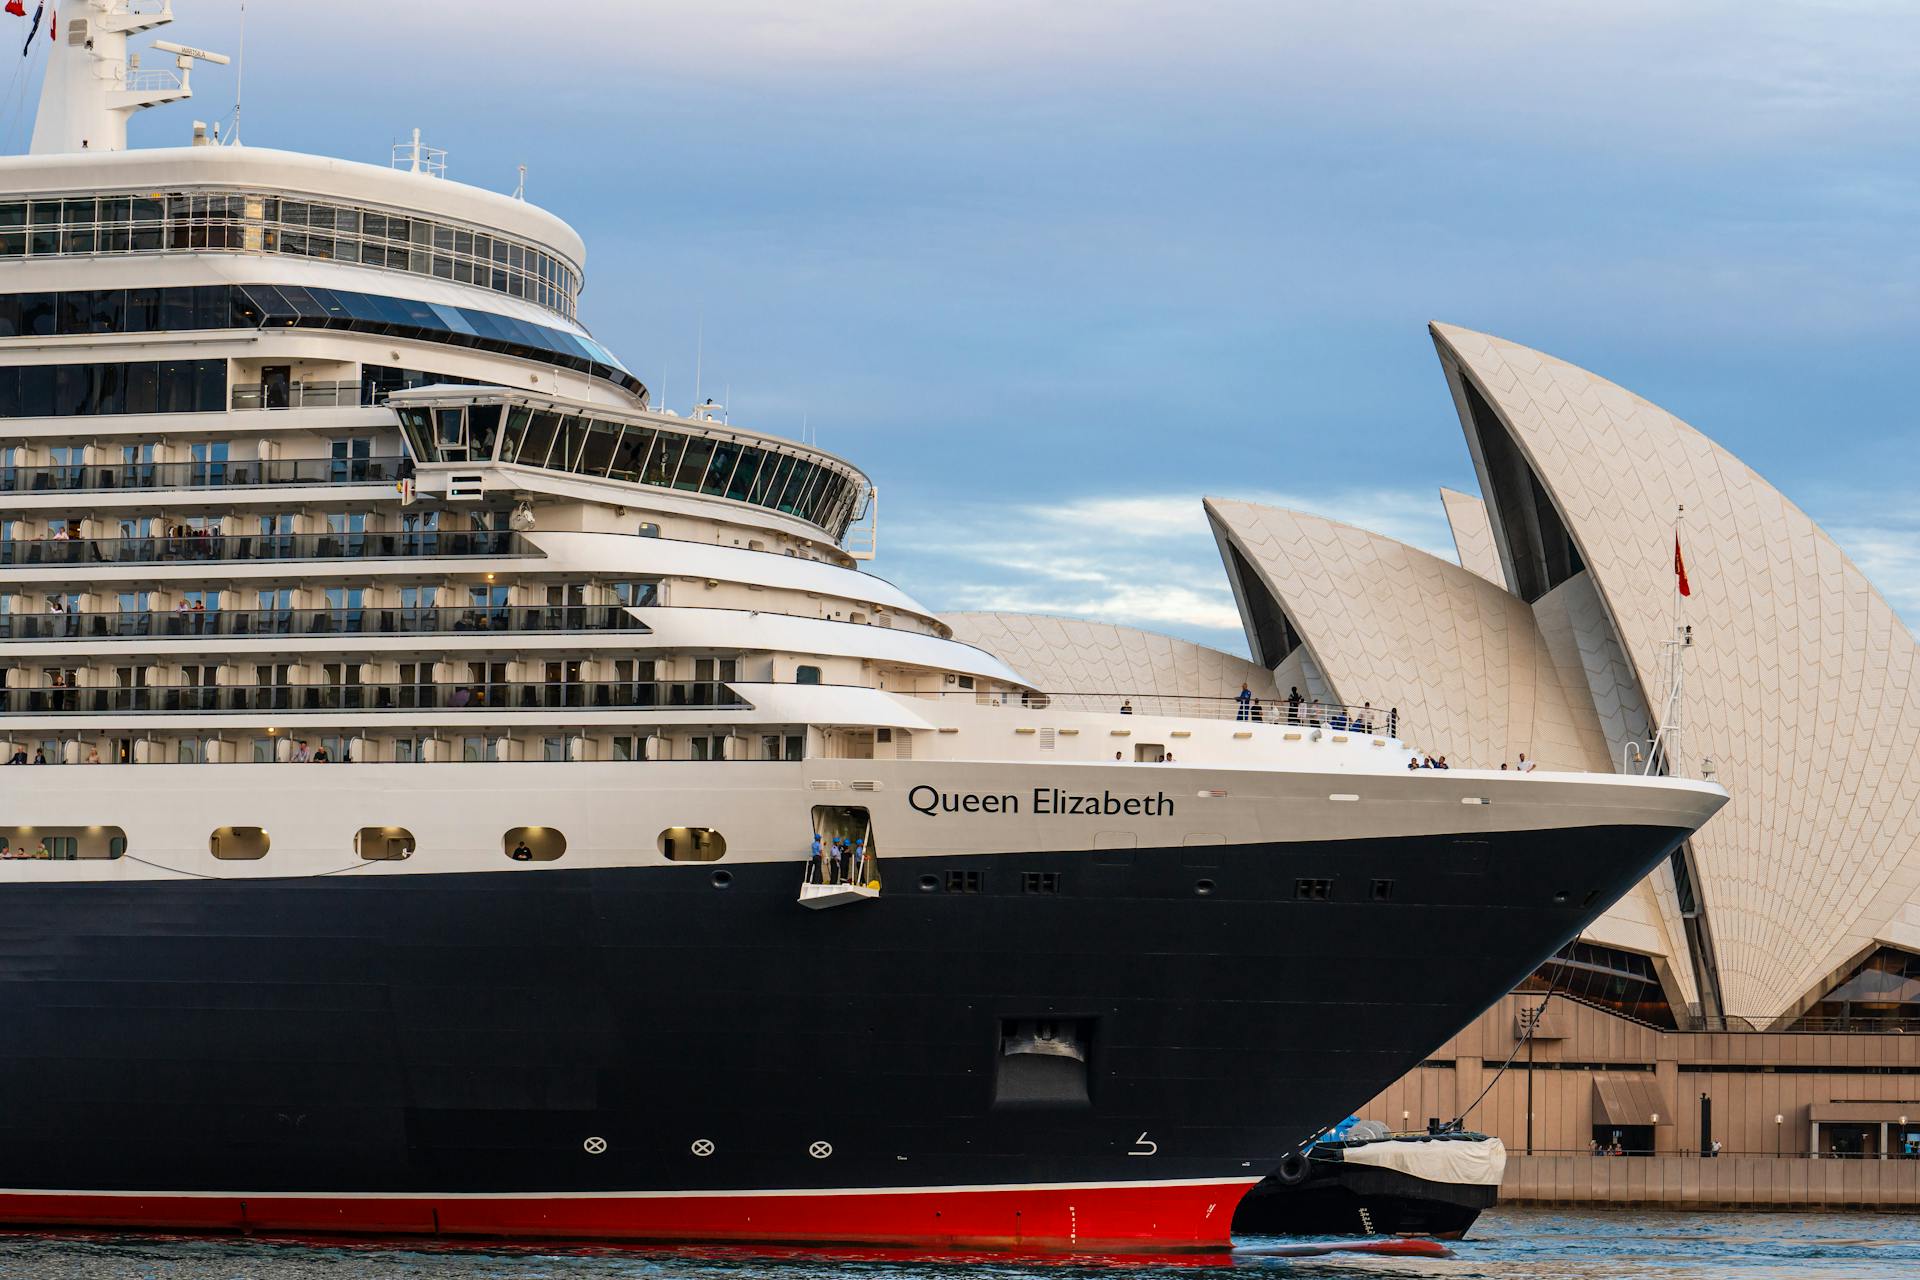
18, 8
1680, 567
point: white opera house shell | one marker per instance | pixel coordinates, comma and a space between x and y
1799, 904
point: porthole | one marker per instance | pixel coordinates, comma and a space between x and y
721, 879
692, 844
534, 844
1203, 887
239, 844
61, 844
383, 844
929, 884
1560, 898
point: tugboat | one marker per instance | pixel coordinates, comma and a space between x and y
1359, 1179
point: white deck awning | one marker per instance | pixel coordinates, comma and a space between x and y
830, 704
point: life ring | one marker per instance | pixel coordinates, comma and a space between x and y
1292, 1171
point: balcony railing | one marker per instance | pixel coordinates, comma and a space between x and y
300, 395
498, 696
359, 620
226, 547
111, 477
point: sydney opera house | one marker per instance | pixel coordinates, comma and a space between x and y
1781, 946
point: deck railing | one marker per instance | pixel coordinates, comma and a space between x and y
1306, 714
113, 477
478, 697
345, 620
302, 395
222, 547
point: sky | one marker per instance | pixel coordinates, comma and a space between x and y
1050, 273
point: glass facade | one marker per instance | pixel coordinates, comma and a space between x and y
257, 306
141, 386
688, 458
1882, 994
262, 222
1623, 981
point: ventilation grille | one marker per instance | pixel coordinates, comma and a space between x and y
1046, 739
866, 786
824, 784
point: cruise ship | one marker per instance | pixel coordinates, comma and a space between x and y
455, 794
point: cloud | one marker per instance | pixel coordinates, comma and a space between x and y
1888, 552
1137, 560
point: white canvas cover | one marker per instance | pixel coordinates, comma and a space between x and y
1479, 1163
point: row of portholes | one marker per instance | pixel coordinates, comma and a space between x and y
521, 844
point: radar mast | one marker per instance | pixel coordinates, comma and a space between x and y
92, 86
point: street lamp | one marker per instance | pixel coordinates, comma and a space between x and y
1778, 1120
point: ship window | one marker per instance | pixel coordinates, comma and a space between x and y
966, 881
692, 844
383, 844
239, 844
534, 844
1040, 882
62, 844
806, 675
1312, 890
648, 529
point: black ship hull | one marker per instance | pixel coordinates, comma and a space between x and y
681, 1052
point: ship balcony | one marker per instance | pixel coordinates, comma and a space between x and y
369, 620
217, 548
494, 697
305, 394
118, 477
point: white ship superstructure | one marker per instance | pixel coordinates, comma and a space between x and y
433, 747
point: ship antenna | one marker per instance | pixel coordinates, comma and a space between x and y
520, 192
699, 353
239, 76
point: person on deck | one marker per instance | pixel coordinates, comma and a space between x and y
1245, 698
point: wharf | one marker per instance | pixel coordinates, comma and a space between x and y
1723, 1182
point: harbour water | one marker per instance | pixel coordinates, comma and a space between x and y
1506, 1245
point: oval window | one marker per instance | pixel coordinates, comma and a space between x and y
239, 844
383, 844
692, 844
62, 844
534, 844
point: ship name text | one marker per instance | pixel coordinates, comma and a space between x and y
1045, 802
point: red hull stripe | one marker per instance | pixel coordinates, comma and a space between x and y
1101, 1218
